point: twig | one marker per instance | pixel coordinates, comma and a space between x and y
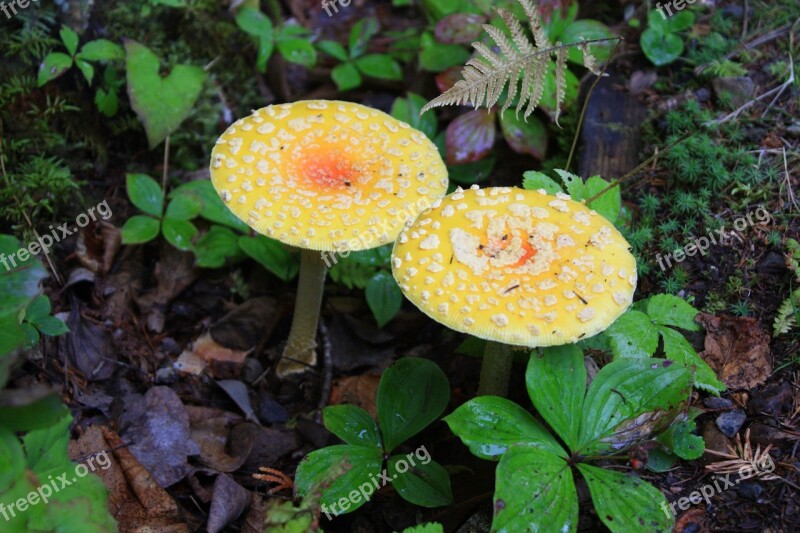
586, 105
789, 181
166, 167
327, 362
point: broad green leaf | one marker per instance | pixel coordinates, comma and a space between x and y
682, 20
140, 229
272, 255
423, 484
179, 233
407, 109
587, 30
572, 183
346, 77
54, 65
668, 310
19, 283
101, 50
12, 460
333, 49
295, 46
535, 180
161, 104
379, 66
661, 48
360, 34
38, 309
677, 348
145, 193
86, 69
212, 207
626, 503
33, 408
490, 425
524, 137
556, 383
384, 297
107, 102
69, 38
609, 204
658, 21
184, 207
257, 24
215, 247
412, 393
52, 326
364, 467
436, 56
534, 491
660, 461
632, 335
353, 425
679, 440
630, 400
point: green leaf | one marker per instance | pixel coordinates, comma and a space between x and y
179, 233
632, 335
668, 310
257, 24
379, 66
556, 384
534, 180
161, 104
38, 309
412, 393
436, 56
360, 35
631, 399
609, 204
145, 193
140, 229
434, 527
471, 172
677, 348
408, 110
86, 69
352, 424
215, 247
333, 49
294, 44
27, 409
660, 48
346, 77
212, 207
69, 38
658, 21
679, 440
52, 326
490, 425
54, 65
524, 137
626, 503
101, 50
588, 30
550, 94
272, 255
423, 484
660, 461
184, 207
384, 297
534, 491
365, 465
107, 102
12, 459
682, 20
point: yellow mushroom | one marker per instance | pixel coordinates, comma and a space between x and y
515, 267
324, 176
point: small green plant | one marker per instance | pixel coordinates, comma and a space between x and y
218, 245
660, 42
629, 401
412, 393
789, 311
609, 204
293, 42
38, 320
636, 334
356, 62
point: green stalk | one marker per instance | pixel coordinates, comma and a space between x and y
496, 369
300, 353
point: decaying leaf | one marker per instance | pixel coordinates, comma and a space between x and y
361, 391
229, 501
737, 349
225, 440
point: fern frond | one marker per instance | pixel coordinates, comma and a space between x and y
485, 76
786, 318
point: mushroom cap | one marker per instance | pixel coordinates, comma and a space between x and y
326, 175
520, 267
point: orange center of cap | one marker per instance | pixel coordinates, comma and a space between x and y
327, 168
493, 246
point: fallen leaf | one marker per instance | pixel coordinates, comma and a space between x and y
88, 346
239, 394
224, 445
737, 349
230, 500
357, 390
97, 245
174, 272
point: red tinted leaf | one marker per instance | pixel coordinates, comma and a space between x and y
470, 137
446, 79
459, 28
524, 137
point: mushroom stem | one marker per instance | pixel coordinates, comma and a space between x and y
496, 369
300, 352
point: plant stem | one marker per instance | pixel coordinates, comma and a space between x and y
300, 352
496, 369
